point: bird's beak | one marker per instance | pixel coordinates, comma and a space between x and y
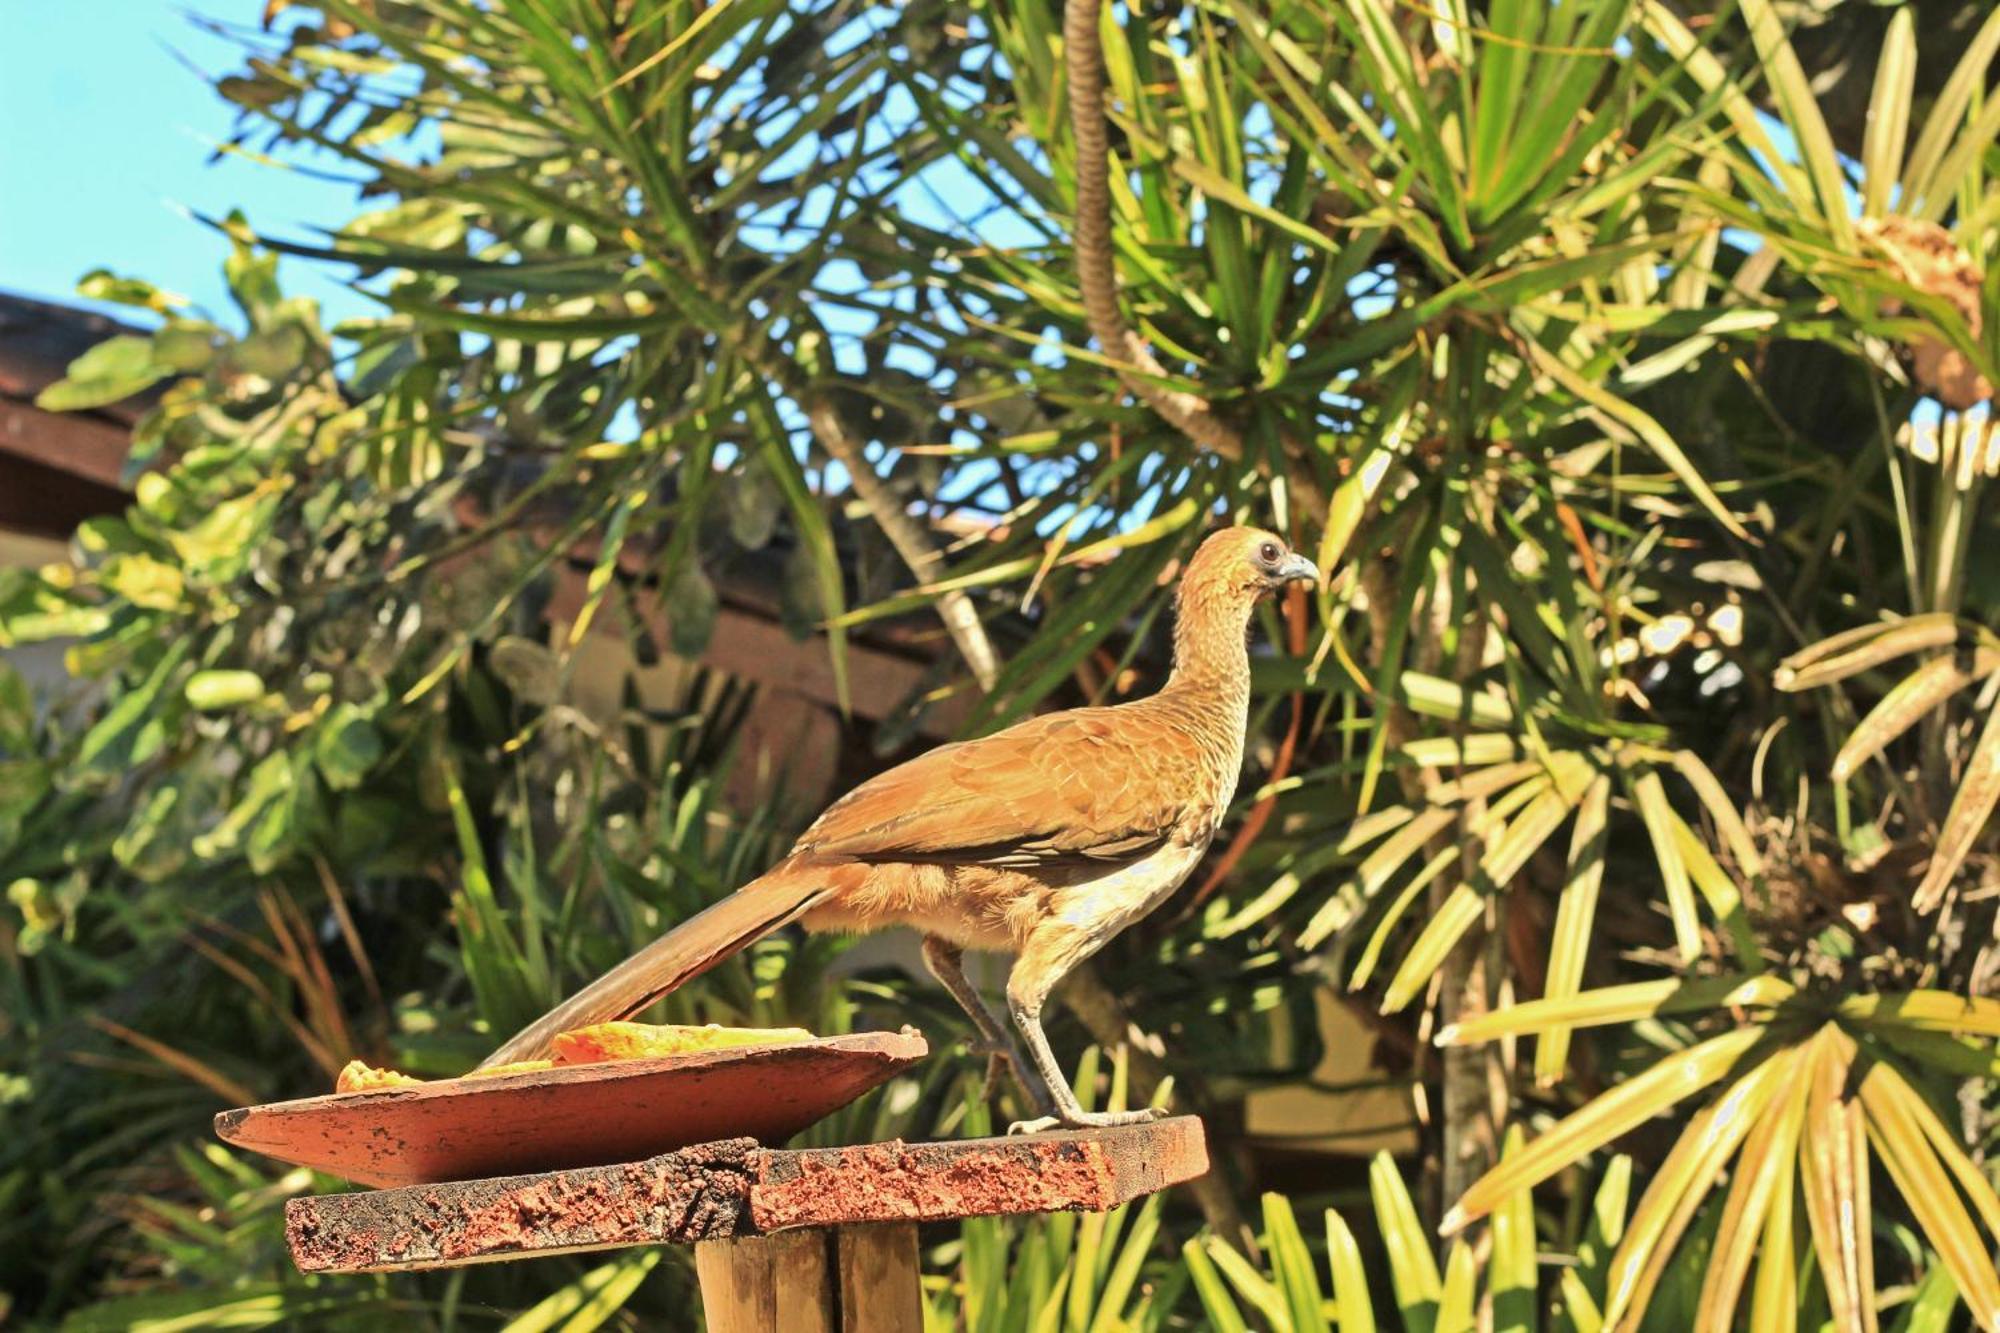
1297, 569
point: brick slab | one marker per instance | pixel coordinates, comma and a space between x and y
692, 1194
1061, 1171
735, 1188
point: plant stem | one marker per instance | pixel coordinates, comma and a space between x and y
1096, 261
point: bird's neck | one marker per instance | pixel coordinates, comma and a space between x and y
1209, 689
1212, 650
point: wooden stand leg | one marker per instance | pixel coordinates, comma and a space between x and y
846, 1279
877, 1267
767, 1284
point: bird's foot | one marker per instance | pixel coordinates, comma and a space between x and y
1089, 1120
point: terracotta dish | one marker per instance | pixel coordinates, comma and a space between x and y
574, 1115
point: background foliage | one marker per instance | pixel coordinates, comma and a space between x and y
1630, 361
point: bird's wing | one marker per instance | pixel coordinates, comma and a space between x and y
1096, 783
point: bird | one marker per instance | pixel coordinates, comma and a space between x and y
1042, 840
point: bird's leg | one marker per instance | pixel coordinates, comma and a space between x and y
1027, 988
946, 962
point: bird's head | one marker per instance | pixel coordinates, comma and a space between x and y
1232, 570
1246, 564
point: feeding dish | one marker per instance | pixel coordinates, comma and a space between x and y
572, 1115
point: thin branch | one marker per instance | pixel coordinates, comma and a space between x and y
913, 542
910, 538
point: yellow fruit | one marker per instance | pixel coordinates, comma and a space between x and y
359, 1077
639, 1041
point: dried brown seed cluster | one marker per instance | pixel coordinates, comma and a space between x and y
1927, 258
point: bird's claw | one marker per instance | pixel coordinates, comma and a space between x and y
1089, 1120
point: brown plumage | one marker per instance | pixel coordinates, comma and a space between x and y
1042, 841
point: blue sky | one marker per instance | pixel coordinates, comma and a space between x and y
108, 132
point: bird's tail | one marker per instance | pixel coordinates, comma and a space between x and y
680, 955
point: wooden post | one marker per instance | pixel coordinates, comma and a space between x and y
879, 1291
765, 1284
845, 1279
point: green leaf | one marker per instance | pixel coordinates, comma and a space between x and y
591, 1300
1889, 114
1413, 1272
252, 277
1788, 82
132, 729
221, 539
253, 1305
1292, 1264
108, 373
266, 791
1575, 913
101, 284
1649, 794
1620, 1004
1913, 1165
1512, 1264
347, 747
495, 962
17, 708
275, 354
1931, 1307
1353, 1306
753, 504
691, 605
1210, 1289
597, 585
1609, 1115
1605, 1229
1617, 411
1922, 180
145, 582
1248, 1283
1456, 1301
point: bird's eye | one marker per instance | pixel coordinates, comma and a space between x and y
1268, 553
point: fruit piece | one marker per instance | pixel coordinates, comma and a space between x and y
639, 1041
359, 1077
518, 1067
